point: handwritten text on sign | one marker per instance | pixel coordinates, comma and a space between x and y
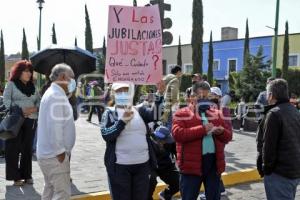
134, 47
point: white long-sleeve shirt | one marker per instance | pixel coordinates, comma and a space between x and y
56, 128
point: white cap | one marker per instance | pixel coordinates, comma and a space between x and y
216, 91
116, 86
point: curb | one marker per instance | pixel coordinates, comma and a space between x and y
229, 179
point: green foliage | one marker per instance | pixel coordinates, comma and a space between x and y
100, 63
186, 82
88, 32
246, 44
179, 59
197, 36
278, 72
285, 64
101, 57
37, 42
54, 40
134, 3
141, 90
251, 80
294, 81
104, 47
234, 80
25, 52
2, 60
75, 43
210, 73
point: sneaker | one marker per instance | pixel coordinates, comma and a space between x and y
162, 195
224, 193
202, 196
18, 183
29, 181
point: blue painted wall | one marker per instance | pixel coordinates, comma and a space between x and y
234, 49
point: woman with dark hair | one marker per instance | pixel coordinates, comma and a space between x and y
20, 91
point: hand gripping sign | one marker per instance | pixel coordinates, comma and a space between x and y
134, 46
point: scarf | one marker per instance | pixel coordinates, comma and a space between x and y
27, 89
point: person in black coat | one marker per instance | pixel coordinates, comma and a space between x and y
278, 144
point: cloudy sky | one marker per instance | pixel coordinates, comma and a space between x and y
68, 15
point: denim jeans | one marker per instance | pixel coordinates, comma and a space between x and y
190, 184
280, 188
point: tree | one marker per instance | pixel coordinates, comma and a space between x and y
54, 41
246, 44
179, 59
101, 58
2, 60
285, 64
88, 32
25, 53
197, 36
251, 77
75, 43
37, 42
134, 3
104, 48
210, 73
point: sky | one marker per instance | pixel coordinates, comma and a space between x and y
69, 19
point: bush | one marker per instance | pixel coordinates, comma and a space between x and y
186, 82
294, 81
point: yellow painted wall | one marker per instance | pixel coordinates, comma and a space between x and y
294, 42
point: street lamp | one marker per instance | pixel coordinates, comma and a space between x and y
40, 3
275, 40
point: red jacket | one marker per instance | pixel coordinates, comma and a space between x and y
188, 132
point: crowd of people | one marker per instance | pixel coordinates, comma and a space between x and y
182, 145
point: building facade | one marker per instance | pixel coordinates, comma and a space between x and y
228, 57
294, 50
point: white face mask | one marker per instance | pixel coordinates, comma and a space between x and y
71, 86
122, 99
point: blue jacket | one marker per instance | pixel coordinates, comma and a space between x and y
111, 128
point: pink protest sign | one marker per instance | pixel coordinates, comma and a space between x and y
134, 45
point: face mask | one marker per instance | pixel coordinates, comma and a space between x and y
122, 99
72, 86
203, 105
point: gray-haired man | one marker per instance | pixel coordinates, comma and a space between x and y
56, 134
280, 144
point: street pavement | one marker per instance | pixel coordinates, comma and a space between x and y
249, 191
88, 170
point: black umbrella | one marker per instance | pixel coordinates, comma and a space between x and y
80, 60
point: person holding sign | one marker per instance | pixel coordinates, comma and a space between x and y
129, 156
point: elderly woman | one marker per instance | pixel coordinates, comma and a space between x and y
129, 155
20, 91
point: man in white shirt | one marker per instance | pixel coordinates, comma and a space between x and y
56, 134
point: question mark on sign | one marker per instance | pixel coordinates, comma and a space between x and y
155, 58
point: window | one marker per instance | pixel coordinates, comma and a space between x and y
232, 65
216, 65
188, 69
293, 60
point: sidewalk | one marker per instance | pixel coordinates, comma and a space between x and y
249, 191
87, 167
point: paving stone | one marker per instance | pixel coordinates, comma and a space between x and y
88, 170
